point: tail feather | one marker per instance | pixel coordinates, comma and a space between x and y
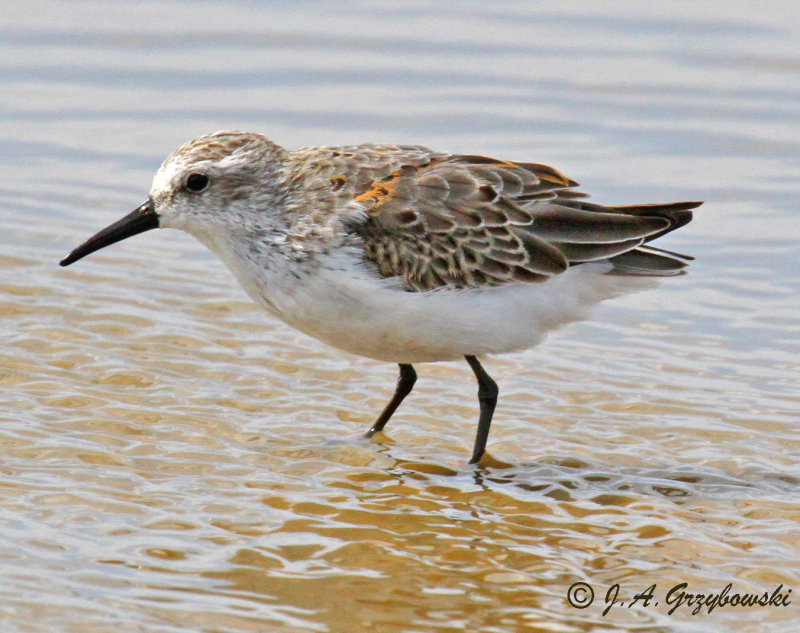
678, 213
651, 260
645, 262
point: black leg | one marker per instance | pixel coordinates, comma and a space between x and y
404, 385
487, 397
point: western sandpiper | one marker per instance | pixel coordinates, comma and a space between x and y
401, 253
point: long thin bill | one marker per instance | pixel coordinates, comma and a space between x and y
138, 221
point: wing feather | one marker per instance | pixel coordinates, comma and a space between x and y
469, 221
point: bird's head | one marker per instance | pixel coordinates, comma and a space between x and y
222, 182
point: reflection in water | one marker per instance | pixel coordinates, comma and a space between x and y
171, 459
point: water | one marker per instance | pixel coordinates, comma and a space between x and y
172, 459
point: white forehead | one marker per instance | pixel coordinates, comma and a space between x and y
167, 177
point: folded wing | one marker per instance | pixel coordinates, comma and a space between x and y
469, 221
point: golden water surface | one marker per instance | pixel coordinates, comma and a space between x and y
172, 459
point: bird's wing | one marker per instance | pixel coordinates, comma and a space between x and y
471, 221
437, 220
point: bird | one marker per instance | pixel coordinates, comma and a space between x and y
401, 253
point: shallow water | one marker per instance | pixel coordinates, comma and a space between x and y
172, 459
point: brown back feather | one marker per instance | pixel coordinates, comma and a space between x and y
469, 221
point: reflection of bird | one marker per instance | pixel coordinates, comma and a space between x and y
401, 253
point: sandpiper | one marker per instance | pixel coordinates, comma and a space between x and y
401, 253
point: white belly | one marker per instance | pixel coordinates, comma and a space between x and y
345, 305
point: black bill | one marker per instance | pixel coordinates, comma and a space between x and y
138, 221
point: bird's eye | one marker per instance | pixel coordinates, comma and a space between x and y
197, 182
